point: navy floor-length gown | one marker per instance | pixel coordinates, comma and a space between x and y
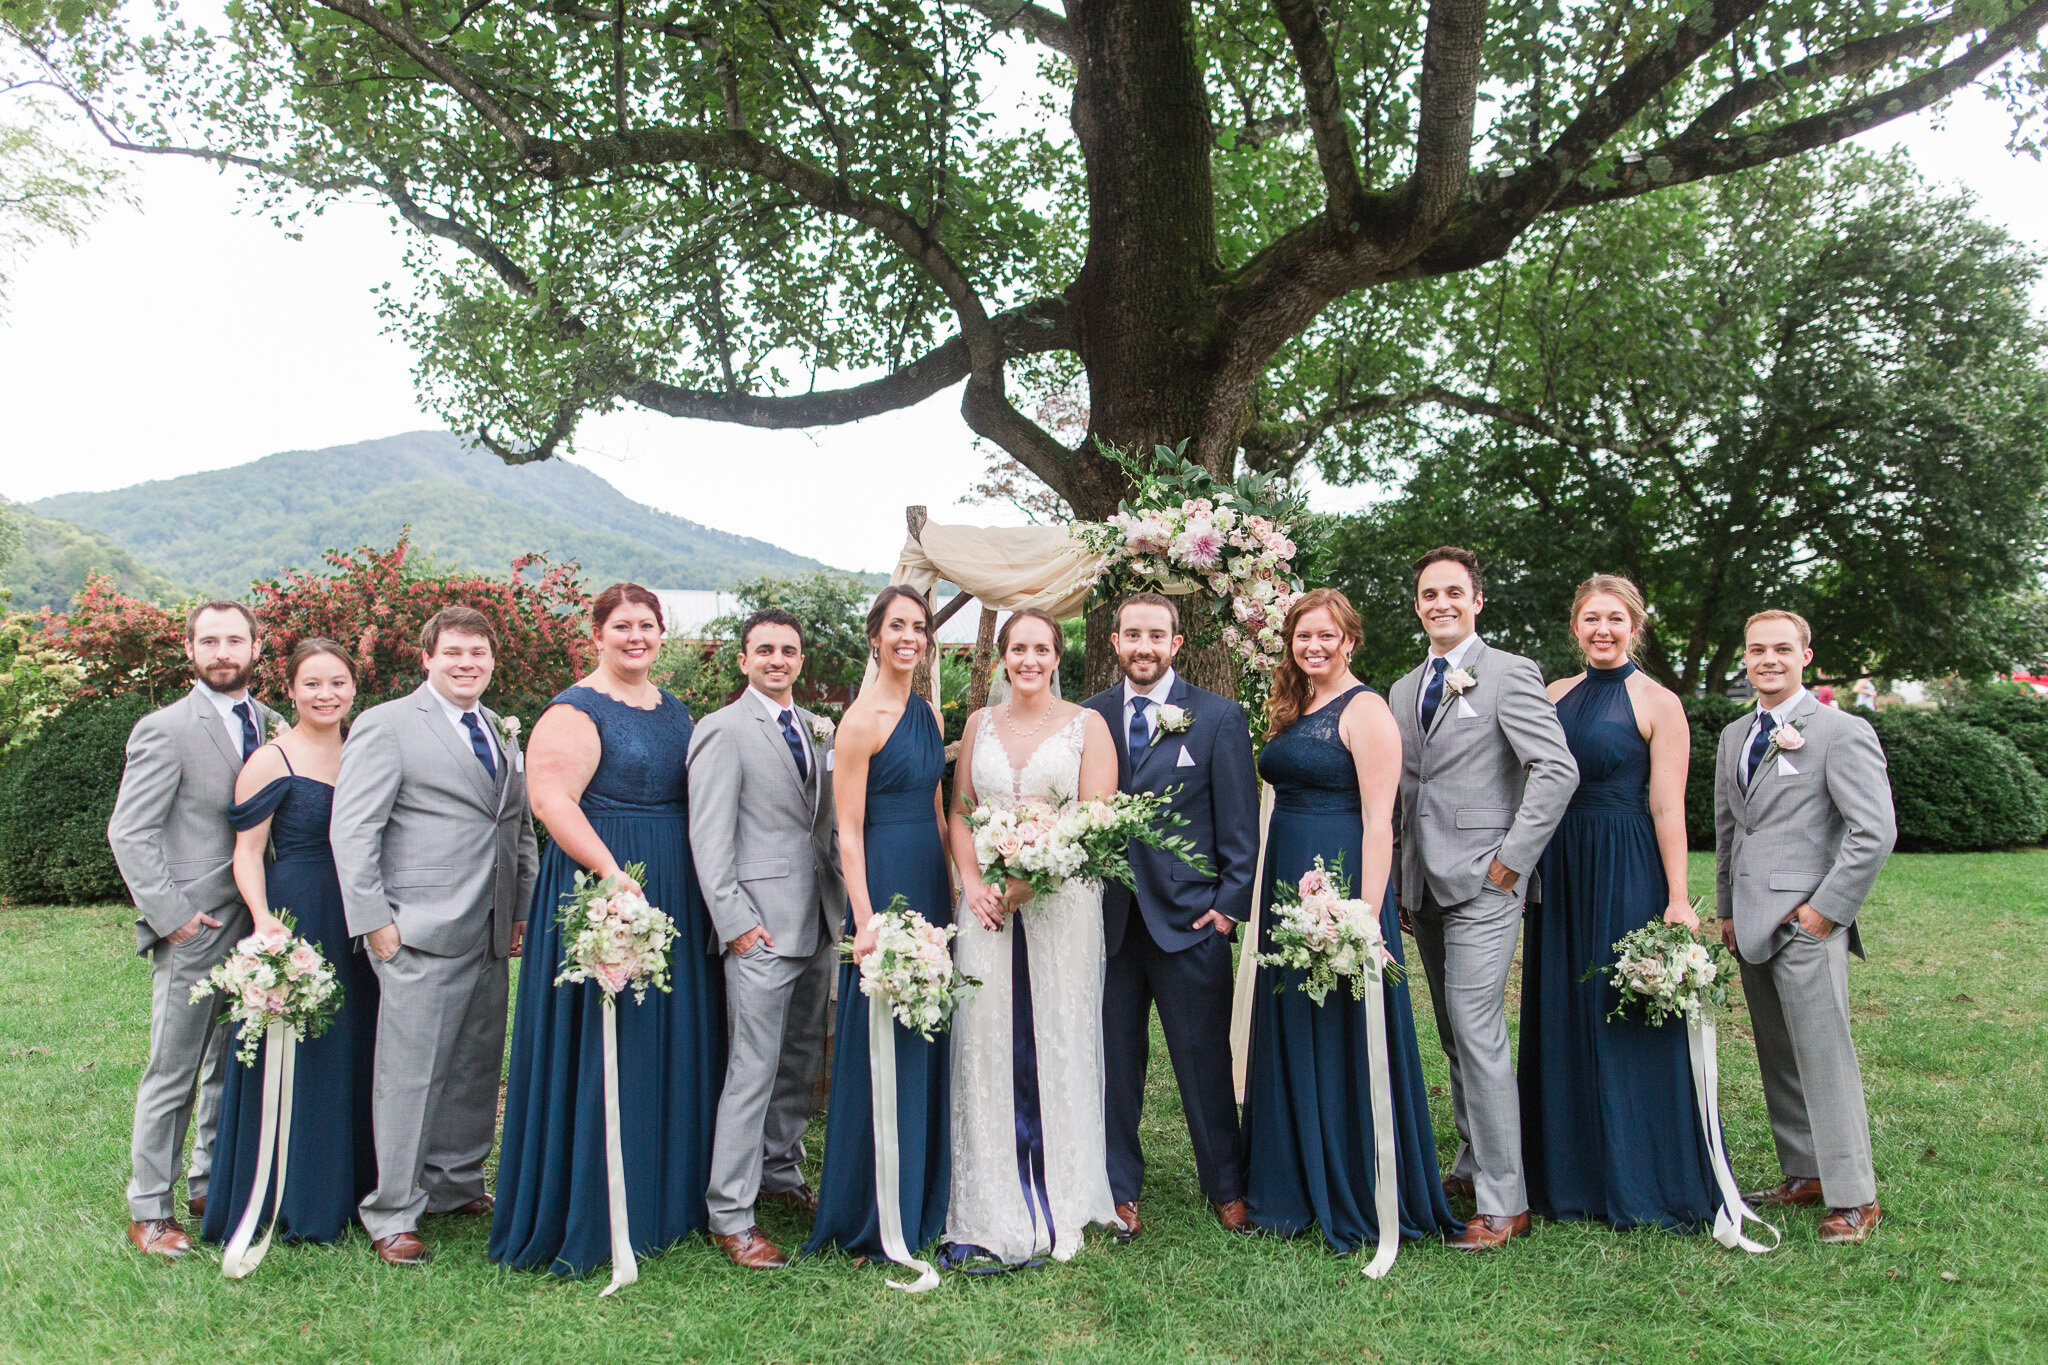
333, 1161
1308, 1098
904, 856
1610, 1128
552, 1209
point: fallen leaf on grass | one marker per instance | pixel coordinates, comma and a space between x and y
1927, 1154
28, 1052
1893, 1273
1964, 999
86, 1067
1437, 1091
1949, 1276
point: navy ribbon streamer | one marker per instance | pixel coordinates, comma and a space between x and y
1024, 1083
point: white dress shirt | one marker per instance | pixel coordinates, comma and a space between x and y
1456, 657
796, 718
456, 713
226, 704
1779, 714
1157, 693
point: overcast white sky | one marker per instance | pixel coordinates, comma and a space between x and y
181, 336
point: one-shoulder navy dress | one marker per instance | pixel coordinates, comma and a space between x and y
552, 1208
904, 856
1308, 1094
333, 1159
1610, 1128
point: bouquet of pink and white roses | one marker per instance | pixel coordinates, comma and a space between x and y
1669, 971
274, 978
1047, 843
614, 937
1318, 928
911, 969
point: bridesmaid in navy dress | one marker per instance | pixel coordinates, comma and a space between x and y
606, 776
283, 798
1610, 1129
1333, 756
890, 757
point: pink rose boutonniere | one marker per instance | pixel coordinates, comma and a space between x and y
1789, 739
1459, 681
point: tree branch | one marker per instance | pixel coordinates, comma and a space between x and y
1850, 59
1324, 95
1033, 21
1447, 95
449, 73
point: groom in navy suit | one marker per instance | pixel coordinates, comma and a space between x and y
1169, 940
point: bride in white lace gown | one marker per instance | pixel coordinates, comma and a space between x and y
1028, 1045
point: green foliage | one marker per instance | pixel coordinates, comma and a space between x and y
468, 512
1958, 787
56, 794
56, 556
36, 680
1707, 717
2013, 710
49, 191
833, 610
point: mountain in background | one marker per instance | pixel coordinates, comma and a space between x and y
220, 531
50, 565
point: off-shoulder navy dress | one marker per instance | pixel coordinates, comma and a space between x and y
1610, 1129
333, 1160
552, 1208
1308, 1096
904, 856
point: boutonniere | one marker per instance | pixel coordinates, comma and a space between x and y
1459, 681
821, 730
1173, 720
278, 725
1786, 739
508, 729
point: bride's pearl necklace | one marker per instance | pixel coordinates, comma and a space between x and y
1010, 720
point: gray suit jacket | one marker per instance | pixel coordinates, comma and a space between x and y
1492, 784
1818, 835
169, 831
764, 839
424, 838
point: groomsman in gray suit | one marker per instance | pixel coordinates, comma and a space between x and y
436, 856
766, 845
1803, 823
1485, 777
171, 839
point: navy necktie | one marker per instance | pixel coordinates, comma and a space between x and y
1433, 691
251, 741
796, 743
479, 743
1141, 733
1757, 747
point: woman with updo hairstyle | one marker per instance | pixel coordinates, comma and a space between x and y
1610, 1129
284, 868
606, 775
1333, 756
889, 758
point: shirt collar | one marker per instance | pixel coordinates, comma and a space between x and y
775, 708
1455, 656
1157, 693
222, 702
1782, 712
453, 712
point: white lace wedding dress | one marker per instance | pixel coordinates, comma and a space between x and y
998, 1202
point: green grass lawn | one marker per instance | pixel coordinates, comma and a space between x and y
1952, 1023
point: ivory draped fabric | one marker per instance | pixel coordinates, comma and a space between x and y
1005, 567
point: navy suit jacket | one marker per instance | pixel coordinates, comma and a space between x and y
1219, 798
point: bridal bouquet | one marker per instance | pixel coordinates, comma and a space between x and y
274, 978
1320, 929
614, 937
1047, 843
1668, 971
911, 969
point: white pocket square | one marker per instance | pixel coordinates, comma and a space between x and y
830, 754
1186, 759
518, 760
1465, 711
1785, 768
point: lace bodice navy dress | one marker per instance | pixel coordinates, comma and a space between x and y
552, 1207
333, 1161
905, 856
1308, 1100
1610, 1129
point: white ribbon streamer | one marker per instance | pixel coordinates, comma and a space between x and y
882, 1092
1386, 1193
1248, 957
1702, 1043
625, 1269
280, 1058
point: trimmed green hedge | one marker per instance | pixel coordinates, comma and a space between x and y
56, 794
1709, 716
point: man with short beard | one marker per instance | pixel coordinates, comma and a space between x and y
1168, 939
171, 838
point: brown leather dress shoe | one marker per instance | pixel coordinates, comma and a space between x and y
401, 1248
1794, 1192
198, 1207
750, 1250
1127, 1214
159, 1237
1485, 1231
1850, 1225
1458, 1187
1236, 1216
801, 1199
480, 1206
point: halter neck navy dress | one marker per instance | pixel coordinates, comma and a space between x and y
1610, 1129
904, 856
552, 1208
333, 1160
1308, 1097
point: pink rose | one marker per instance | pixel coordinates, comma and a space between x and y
1790, 740
305, 958
1009, 846
1313, 882
274, 938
